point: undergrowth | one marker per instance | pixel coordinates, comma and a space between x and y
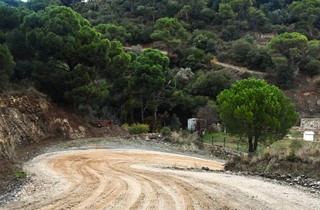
183, 138
294, 157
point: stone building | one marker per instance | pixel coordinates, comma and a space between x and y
312, 124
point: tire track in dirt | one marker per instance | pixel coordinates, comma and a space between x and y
131, 179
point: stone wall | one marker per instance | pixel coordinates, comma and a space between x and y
312, 124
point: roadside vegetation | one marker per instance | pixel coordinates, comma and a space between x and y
223, 139
294, 157
256, 111
151, 65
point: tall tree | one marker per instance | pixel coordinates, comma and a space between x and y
291, 46
113, 32
37, 5
210, 84
307, 15
9, 17
70, 3
170, 32
68, 54
151, 81
256, 110
61, 34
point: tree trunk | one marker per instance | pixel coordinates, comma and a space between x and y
132, 6
142, 113
251, 146
155, 118
293, 67
255, 143
131, 116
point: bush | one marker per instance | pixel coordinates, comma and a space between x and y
313, 68
138, 128
20, 174
291, 155
296, 145
183, 138
166, 131
175, 123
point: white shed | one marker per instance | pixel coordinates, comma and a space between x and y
308, 136
192, 124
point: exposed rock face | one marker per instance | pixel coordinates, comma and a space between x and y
67, 130
22, 121
29, 118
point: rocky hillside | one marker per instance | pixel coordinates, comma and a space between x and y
23, 120
306, 96
29, 118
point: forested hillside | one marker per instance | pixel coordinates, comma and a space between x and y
154, 61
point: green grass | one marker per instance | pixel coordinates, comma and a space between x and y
282, 146
294, 135
293, 156
223, 139
20, 174
232, 142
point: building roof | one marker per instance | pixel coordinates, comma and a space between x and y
309, 132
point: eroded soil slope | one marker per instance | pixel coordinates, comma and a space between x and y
28, 118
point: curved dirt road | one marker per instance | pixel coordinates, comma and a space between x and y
241, 69
132, 179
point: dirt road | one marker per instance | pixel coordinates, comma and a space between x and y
135, 179
241, 69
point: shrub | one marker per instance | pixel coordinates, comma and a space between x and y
313, 68
291, 155
125, 126
266, 152
184, 138
20, 174
309, 152
296, 144
138, 128
293, 148
175, 123
166, 131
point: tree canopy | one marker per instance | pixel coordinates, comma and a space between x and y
170, 32
251, 108
74, 51
6, 65
292, 47
150, 80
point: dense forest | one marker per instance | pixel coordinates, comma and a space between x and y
153, 61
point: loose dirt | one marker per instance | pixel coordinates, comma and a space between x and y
139, 179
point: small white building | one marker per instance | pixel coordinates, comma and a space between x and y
192, 124
308, 136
